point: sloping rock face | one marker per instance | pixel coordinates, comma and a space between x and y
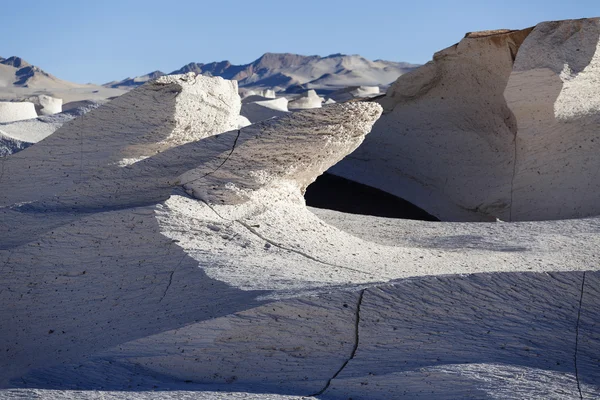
119, 134
501, 125
74, 177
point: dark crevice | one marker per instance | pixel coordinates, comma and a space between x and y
354, 349
577, 337
340, 194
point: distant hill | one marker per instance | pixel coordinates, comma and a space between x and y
291, 72
19, 80
16, 72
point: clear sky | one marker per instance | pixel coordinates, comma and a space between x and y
103, 40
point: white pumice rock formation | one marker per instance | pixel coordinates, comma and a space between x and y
16, 111
307, 100
30, 131
198, 271
502, 125
264, 109
266, 93
365, 91
47, 105
354, 92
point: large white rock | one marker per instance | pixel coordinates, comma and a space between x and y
266, 93
503, 124
307, 100
16, 111
553, 94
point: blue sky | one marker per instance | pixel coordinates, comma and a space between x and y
99, 41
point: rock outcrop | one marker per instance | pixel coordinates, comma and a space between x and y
76, 174
501, 125
16, 111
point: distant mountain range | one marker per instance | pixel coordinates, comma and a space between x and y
285, 73
292, 73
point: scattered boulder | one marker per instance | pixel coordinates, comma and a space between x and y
46, 105
16, 111
266, 93
354, 92
501, 125
307, 100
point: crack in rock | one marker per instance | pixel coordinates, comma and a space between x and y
354, 349
271, 242
577, 337
282, 247
223, 163
171, 279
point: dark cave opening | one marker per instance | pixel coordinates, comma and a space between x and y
340, 194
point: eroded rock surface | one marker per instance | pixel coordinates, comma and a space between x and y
199, 269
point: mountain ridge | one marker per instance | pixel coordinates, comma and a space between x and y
287, 71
